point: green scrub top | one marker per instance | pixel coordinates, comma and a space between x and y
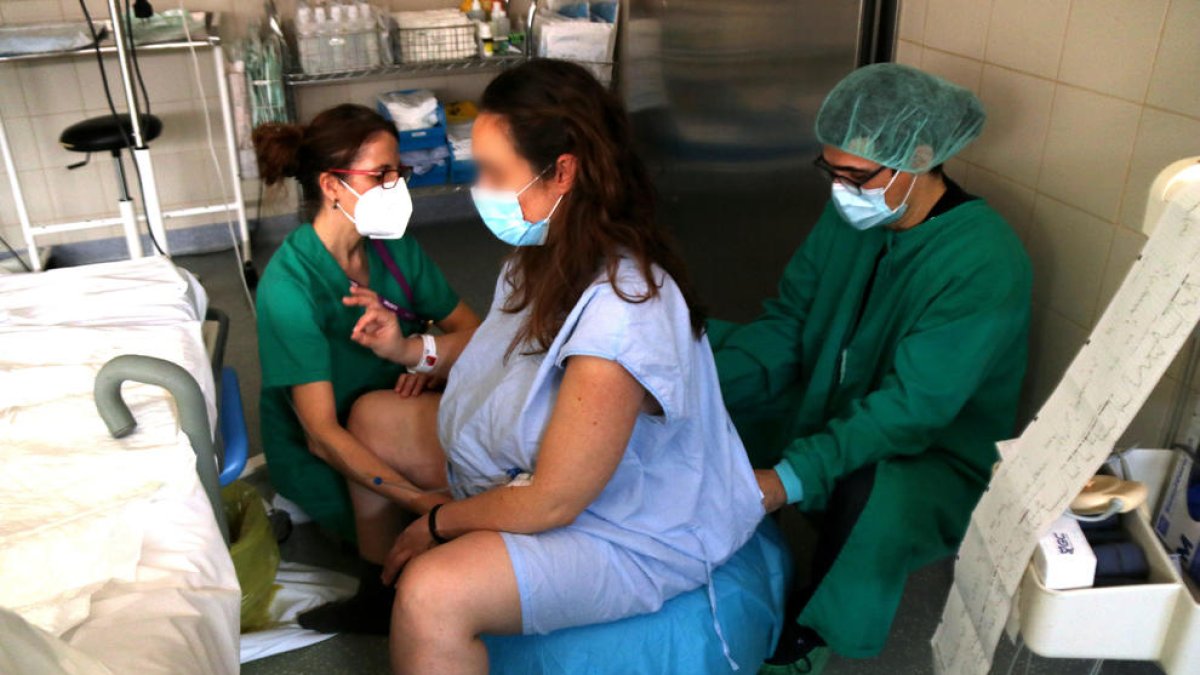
304, 336
930, 361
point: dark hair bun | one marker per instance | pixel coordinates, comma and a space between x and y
277, 147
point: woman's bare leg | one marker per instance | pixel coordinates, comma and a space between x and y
447, 597
403, 433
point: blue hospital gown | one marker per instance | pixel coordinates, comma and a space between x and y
683, 498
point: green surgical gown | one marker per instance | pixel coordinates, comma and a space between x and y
920, 377
304, 336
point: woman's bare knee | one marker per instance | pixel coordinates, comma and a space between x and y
369, 409
426, 599
403, 433
466, 586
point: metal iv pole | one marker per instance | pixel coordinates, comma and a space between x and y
141, 152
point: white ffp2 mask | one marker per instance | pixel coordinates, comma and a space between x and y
381, 213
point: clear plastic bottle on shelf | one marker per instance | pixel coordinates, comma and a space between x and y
352, 28
380, 14
322, 31
306, 39
370, 35
370, 40
501, 27
338, 60
476, 12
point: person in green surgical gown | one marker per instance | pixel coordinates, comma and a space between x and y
335, 413
874, 387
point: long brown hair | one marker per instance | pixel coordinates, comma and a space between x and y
304, 151
553, 108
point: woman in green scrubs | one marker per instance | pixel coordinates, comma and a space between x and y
311, 300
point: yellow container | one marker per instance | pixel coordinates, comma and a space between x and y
254, 551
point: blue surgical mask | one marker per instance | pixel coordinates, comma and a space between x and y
868, 209
501, 212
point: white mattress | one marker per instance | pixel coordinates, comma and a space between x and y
108, 545
148, 291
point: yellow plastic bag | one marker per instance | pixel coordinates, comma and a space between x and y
254, 551
461, 111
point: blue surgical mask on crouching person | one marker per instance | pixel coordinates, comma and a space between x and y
868, 208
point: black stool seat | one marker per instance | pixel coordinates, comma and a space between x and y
102, 134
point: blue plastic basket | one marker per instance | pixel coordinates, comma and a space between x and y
462, 171
436, 176
417, 139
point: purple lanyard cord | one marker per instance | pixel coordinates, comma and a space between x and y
403, 313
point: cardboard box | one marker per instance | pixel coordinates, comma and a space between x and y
1174, 524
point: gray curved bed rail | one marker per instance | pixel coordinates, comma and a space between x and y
193, 413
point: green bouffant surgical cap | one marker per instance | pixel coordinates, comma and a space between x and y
899, 117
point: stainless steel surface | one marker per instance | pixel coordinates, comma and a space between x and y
117, 23
723, 95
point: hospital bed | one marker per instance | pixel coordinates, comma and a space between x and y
113, 557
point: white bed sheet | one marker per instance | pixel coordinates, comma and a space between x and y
179, 614
108, 545
146, 291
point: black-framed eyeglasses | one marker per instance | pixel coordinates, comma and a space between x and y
835, 174
388, 178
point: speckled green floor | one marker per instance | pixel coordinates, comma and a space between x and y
470, 258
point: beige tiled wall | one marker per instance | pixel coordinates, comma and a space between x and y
40, 99
1087, 100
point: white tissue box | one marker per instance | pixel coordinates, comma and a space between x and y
1063, 558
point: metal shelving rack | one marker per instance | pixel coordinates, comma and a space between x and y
400, 70
476, 64
299, 80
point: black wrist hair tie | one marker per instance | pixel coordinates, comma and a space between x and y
433, 525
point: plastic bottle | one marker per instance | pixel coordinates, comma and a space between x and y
501, 26
370, 36
356, 52
476, 13
486, 44
322, 31
338, 59
306, 39
383, 25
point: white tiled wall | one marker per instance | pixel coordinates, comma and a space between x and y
40, 99
1087, 100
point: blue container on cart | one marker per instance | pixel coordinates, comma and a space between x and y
417, 139
435, 176
462, 171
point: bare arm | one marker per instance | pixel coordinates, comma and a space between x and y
329, 440
585, 440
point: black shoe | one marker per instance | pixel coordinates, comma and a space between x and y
795, 644
368, 612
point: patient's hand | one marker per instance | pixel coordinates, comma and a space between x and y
412, 542
377, 329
